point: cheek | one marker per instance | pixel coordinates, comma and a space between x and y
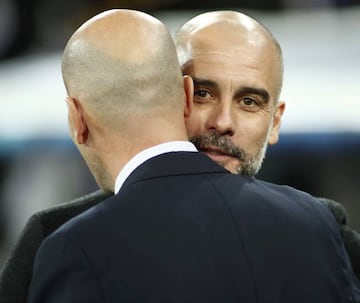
192, 127
194, 124
251, 132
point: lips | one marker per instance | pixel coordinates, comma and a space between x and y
216, 153
214, 150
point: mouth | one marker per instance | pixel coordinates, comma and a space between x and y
216, 154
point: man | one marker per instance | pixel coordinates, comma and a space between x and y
236, 87
237, 68
180, 228
16, 276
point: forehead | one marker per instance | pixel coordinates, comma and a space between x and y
238, 42
234, 62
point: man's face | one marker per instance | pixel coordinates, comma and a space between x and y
234, 115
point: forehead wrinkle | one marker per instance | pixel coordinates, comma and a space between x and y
232, 87
228, 54
239, 70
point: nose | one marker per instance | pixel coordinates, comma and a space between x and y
221, 119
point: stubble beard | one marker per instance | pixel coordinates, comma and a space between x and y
250, 164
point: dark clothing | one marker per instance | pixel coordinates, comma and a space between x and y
16, 274
183, 229
350, 237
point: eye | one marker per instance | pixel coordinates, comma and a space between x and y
202, 95
250, 104
249, 101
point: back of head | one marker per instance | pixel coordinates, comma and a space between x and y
232, 33
121, 63
125, 89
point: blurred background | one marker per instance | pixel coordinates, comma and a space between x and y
319, 148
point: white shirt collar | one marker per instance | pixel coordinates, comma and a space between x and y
148, 153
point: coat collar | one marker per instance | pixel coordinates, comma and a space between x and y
174, 163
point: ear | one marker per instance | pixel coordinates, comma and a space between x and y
189, 95
274, 133
77, 121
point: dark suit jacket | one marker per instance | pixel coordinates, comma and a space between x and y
182, 229
17, 271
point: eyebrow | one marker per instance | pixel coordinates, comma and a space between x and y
205, 82
240, 91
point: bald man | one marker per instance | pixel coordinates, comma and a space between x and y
180, 228
237, 68
239, 149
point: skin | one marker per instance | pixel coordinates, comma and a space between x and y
121, 73
237, 85
236, 65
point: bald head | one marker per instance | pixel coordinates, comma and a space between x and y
125, 90
231, 33
122, 61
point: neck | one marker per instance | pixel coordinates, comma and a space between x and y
123, 151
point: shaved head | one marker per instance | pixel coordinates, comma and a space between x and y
125, 89
237, 68
228, 32
121, 56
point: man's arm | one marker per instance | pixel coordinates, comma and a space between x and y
16, 274
350, 237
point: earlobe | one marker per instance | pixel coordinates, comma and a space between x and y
77, 120
274, 134
189, 95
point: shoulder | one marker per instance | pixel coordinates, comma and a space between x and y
40, 225
53, 217
286, 193
44, 222
261, 197
76, 218
236, 184
293, 199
